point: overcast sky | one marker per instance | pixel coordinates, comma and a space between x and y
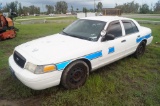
78, 3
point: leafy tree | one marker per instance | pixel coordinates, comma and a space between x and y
37, 10
50, 9
17, 7
25, 10
77, 9
5, 9
31, 9
72, 10
13, 6
91, 10
151, 9
34, 10
85, 9
20, 9
144, 9
99, 6
157, 7
130, 7
61, 7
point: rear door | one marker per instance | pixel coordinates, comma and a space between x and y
131, 34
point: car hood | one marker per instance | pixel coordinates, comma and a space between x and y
55, 48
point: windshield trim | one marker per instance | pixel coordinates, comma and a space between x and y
82, 37
71, 35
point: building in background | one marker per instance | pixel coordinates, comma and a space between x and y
111, 11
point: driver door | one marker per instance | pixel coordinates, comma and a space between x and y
113, 50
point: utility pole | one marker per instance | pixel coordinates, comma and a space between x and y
94, 6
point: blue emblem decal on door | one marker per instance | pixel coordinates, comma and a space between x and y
111, 50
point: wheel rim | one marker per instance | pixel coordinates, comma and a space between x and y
141, 50
76, 76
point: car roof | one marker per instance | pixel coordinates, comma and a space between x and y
106, 18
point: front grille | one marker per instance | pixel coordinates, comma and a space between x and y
19, 59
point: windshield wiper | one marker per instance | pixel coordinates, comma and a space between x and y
77, 36
92, 39
70, 34
65, 33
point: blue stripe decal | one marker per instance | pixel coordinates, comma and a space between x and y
61, 66
111, 50
143, 37
93, 55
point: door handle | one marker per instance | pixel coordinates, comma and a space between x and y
123, 41
138, 36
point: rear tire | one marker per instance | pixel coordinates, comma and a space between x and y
75, 75
140, 49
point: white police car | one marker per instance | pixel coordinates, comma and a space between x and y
85, 45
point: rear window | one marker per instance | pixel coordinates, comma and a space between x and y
130, 27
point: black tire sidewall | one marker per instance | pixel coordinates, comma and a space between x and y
65, 80
142, 44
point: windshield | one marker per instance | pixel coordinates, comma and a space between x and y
85, 29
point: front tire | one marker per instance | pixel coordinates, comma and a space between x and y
140, 49
75, 75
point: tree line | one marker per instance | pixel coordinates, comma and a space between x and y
18, 8
62, 7
133, 7
15, 6
98, 8
58, 8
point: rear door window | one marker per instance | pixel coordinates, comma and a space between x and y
129, 27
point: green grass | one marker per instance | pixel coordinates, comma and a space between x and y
42, 18
150, 19
128, 81
63, 18
45, 17
26, 17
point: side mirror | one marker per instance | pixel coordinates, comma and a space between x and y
108, 37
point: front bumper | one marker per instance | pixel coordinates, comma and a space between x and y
35, 81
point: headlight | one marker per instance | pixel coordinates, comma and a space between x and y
44, 69
31, 67
39, 69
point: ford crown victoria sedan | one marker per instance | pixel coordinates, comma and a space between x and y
68, 57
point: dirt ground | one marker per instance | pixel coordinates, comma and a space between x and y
9, 103
23, 102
